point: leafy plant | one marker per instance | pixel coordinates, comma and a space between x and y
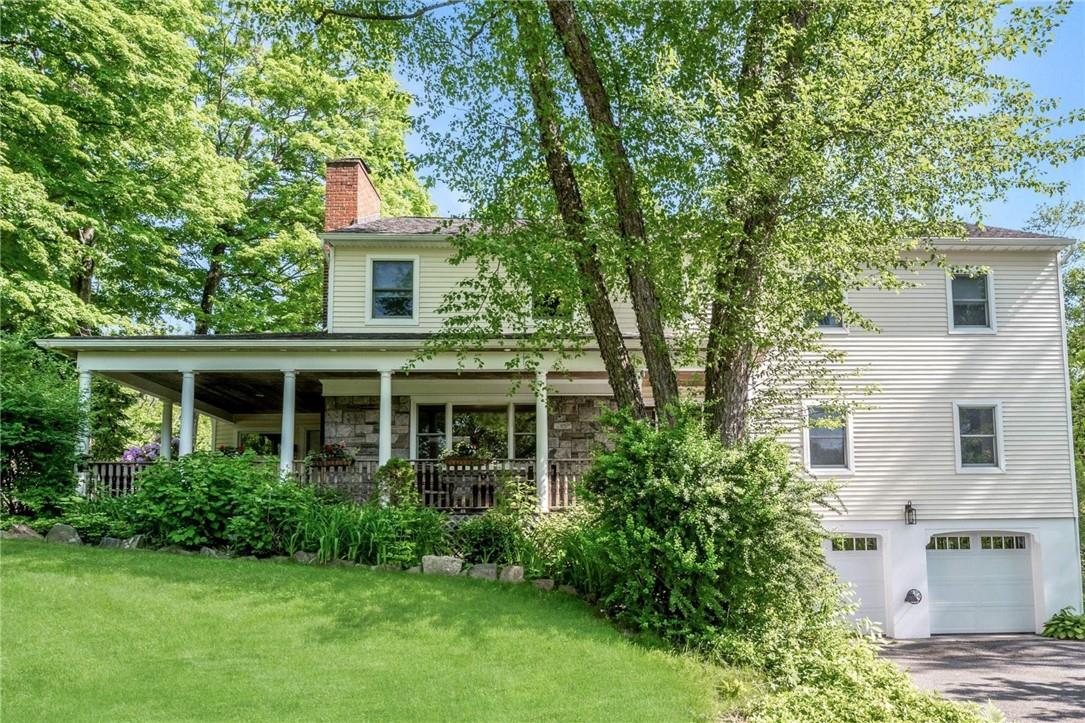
95, 518
395, 483
570, 548
370, 534
1066, 625
330, 453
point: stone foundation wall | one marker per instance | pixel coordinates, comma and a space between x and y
354, 422
574, 430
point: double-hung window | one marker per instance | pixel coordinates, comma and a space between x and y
393, 289
827, 443
971, 303
979, 436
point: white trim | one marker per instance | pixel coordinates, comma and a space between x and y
992, 313
415, 300
1069, 421
1000, 446
331, 288
849, 445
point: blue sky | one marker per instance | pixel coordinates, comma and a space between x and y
1058, 73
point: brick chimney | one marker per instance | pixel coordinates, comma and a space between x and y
349, 194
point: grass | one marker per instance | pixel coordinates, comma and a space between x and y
91, 634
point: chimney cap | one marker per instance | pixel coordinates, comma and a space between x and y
348, 161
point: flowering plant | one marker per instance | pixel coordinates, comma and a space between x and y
147, 452
330, 453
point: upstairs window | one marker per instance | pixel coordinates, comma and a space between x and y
830, 322
979, 443
827, 440
394, 285
970, 303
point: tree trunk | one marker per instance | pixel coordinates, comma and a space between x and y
631, 227
623, 377
82, 281
211, 284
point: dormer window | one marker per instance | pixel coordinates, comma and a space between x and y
971, 304
393, 284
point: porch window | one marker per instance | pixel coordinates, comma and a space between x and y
262, 443
393, 289
523, 432
487, 430
431, 430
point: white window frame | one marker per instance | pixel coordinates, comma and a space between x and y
450, 402
1000, 446
830, 330
992, 314
416, 301
849, 451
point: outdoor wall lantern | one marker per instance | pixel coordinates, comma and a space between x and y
914, 597
909, 513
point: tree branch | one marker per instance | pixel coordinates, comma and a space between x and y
352, 15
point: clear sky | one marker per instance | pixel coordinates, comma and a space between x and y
1058, 73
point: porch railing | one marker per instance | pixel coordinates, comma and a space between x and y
458, 487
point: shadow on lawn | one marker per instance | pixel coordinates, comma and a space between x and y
335, 600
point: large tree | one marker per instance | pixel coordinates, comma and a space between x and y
278, 102
755, 161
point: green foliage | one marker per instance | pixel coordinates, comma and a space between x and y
502, 534
571, 549
39, 427
370, 534
95, 518
191, 501
1066, 625
710, 542
263, 521
396, 483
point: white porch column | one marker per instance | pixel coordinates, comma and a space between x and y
542, 444
188, 412
286, 449
165, 448
84, 413
384, 445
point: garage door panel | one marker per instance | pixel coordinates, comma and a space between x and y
862, 571
980, 590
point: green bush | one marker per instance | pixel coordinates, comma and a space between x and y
570, 549
95, 518
191, 501
502, 534
396, 484
264, 519
370, 534
39, 427
712, 544
1066, 625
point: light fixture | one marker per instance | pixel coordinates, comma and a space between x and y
914, 597
909, 513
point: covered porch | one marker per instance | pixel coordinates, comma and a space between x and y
288, 403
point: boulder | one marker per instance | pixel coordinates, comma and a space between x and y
212, 552
441, 565
485, 571
133, 543
568, 590
64, 535
110, 542
305, 558
23, 532
512, 573
543, 583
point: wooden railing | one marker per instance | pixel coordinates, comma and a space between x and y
458, 487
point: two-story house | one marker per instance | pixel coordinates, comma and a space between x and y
958, 474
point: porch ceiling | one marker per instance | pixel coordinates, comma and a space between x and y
226, 394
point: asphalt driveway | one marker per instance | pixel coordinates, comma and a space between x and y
1029, 678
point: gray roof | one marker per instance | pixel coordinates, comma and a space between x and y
444, 226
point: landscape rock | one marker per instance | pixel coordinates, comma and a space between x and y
512, 573
134, 542
23, 532
543, 583
305, 558
212, 552
110, 542
415, 570
568, 590
64, 535
441, 565
485, 571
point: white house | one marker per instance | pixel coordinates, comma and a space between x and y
959, 495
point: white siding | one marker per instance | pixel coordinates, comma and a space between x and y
226, 433
904, 445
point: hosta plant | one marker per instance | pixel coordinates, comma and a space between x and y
1066, 625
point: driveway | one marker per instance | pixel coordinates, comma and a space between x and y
1027, 677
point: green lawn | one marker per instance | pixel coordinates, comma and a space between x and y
90, 634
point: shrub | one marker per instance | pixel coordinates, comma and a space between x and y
1066, 625
570, 549
395, 483
711, 543
95, 518
264, 520
191, 501
501, 534
370, 534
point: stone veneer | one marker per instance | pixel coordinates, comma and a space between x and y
354, 422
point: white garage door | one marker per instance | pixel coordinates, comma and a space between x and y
858, 562
980, 583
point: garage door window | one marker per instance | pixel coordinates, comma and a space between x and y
950, 542
1002, 542
855, 544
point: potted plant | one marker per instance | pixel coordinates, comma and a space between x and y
465, 452
329, 455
